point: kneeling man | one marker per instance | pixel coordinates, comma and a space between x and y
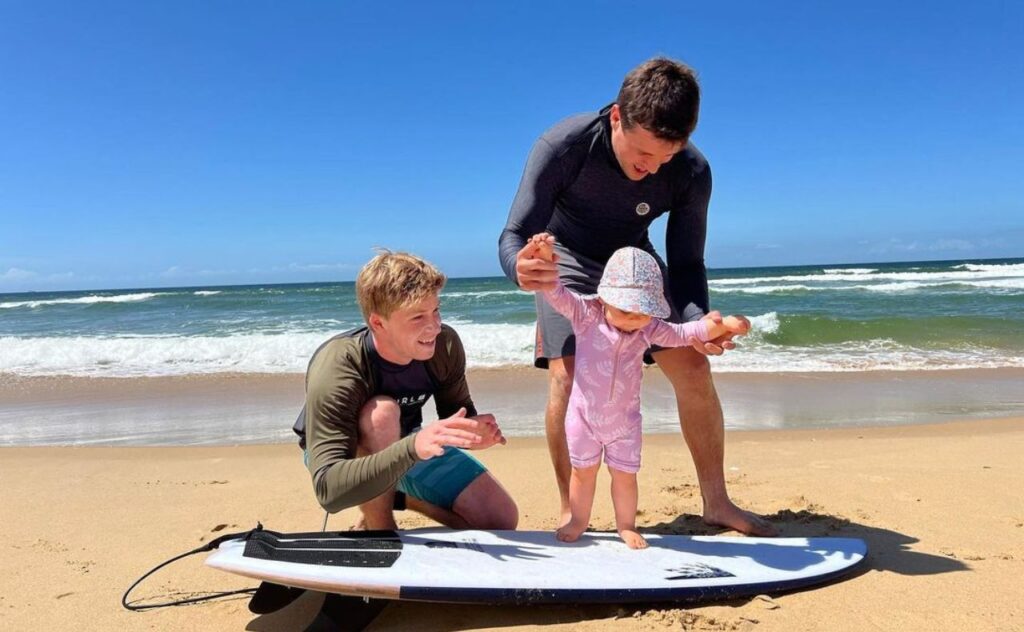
365, 391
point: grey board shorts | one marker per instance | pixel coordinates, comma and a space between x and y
554, 331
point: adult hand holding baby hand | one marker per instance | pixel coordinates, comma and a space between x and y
536, 267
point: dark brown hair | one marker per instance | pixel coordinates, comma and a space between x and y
662, 96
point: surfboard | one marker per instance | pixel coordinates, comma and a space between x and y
527, 567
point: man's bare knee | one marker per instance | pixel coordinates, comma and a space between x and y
683, 360
485, 504
379, 423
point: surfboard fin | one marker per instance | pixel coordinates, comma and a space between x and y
272, 597
342, 613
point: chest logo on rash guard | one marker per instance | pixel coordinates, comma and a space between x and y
412, 400
643, 208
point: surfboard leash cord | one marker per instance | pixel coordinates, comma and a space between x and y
209, 546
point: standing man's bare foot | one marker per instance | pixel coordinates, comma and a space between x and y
728, 515
570, 532
633, 539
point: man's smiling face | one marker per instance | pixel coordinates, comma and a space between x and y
638, 151
408, 333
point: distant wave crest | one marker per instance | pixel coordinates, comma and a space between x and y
483, 293
998, 268
850, 270
961, 277
84, 300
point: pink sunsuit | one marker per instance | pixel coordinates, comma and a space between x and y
604, 406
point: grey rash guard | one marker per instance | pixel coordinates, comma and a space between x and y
574, 188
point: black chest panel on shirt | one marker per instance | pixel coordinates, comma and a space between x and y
411, 385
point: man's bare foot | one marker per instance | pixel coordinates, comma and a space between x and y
633, 539
570, 532
381, 524
732, 517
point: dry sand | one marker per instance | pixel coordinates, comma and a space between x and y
940, 507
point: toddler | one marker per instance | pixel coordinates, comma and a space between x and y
613, 330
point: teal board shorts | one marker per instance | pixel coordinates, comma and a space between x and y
440, 480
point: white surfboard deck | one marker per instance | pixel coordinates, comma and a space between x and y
533, 567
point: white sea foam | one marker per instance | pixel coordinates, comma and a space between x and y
965, 273
207, 292
850, 270
1005, 284
85, 300
486, 346
768, 289
891, 287
902, 286
137, 356
999, 268
761, 325
496, 345
874, 355
485, 293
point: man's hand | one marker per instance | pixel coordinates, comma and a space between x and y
489, 432
534, 271
458, 430
719, 345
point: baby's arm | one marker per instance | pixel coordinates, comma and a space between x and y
566, 302
707, 328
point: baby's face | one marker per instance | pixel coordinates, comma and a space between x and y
625, 321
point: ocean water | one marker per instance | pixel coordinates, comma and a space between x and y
863, 317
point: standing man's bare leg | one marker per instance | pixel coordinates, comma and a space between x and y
700, 417
560, 372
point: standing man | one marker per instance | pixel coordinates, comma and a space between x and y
596, 182
365, 390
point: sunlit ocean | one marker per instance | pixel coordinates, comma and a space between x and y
863, 317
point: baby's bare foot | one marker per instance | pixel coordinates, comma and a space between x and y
633, 539
570, 532
565, 518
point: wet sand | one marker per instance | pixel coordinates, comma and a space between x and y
247, 408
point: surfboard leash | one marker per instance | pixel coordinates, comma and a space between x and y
209, 546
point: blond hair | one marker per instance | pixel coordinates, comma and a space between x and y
393, 280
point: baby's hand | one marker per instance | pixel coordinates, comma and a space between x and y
544, 245
721, 330
737, 325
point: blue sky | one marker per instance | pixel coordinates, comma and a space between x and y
198, 143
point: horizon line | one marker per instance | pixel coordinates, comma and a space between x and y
502, 276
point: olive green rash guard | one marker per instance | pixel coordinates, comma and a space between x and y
340, 380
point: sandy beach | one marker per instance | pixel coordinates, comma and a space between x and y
939, 506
